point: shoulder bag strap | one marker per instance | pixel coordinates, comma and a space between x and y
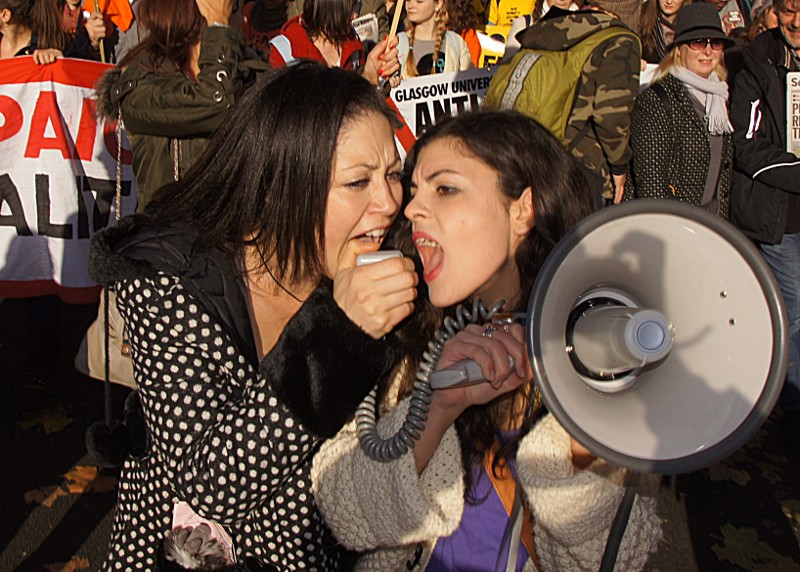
505, 486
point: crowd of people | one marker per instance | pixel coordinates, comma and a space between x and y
266, 163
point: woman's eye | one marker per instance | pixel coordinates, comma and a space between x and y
445, 190
394, 176
358, 183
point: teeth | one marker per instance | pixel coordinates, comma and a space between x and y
426, 243
375, 235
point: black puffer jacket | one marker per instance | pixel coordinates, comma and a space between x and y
231, 437
765, 175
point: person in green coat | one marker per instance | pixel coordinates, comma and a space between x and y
175, 88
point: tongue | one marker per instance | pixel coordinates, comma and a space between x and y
431, 257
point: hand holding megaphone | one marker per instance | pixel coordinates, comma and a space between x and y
376, 289
480, 364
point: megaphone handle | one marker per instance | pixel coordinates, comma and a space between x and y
620, 523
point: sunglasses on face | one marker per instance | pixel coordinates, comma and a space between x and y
700, 44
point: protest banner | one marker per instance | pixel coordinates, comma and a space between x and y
793, 113
58, 169
422, 101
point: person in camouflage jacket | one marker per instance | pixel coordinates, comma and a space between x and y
598, 130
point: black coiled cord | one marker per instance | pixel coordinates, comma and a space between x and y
394, 447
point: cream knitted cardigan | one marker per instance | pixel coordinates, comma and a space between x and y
386, 509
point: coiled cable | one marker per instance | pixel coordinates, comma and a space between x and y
385, 450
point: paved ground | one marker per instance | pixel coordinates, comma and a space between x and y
55, 508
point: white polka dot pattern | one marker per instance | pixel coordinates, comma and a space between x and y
219, 439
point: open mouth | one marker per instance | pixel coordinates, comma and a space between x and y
375, 236
431, 254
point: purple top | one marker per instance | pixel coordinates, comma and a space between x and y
475, 544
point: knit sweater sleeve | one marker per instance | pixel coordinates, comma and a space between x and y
573, 512
369, 504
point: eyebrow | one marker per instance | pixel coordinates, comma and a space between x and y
371, 166
435, 174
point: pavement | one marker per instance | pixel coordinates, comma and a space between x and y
742, 514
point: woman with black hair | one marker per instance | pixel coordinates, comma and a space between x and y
254, 334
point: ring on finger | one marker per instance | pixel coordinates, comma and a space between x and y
490, 329
504, 320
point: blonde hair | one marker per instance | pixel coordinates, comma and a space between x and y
441, 17
673, 60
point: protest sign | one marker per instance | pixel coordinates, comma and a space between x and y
422, 101
793, 113
57, 177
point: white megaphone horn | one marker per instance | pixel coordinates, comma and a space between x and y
658, 339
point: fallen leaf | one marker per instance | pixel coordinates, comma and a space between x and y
45, 496
85, 479
53, 419
77, 563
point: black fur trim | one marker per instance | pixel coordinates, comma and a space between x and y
107, 446
324, 365
106, 265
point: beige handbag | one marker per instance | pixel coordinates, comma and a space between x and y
108, 330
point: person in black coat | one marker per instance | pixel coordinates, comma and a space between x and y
254, 334
680, 132
765, 196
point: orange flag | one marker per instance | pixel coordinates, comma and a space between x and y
118, 11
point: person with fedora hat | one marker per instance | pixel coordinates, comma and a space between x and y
765, 195
680, 131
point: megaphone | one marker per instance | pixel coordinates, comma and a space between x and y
657, 336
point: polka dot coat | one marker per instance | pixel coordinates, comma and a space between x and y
219, 440
231, 437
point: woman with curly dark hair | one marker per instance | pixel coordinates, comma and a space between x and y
464, 22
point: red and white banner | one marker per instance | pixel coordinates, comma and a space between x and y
57, 177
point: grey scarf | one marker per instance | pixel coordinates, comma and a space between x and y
712, 93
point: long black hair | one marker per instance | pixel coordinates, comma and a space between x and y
265, 176
523, 154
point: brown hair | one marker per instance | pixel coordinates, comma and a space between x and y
652, 8
328, 19
173, 29
42, 17
264, 178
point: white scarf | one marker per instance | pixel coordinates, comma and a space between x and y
712, 93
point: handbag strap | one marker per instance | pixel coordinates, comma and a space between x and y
505, 485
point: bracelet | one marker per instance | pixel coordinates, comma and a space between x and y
219, 25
